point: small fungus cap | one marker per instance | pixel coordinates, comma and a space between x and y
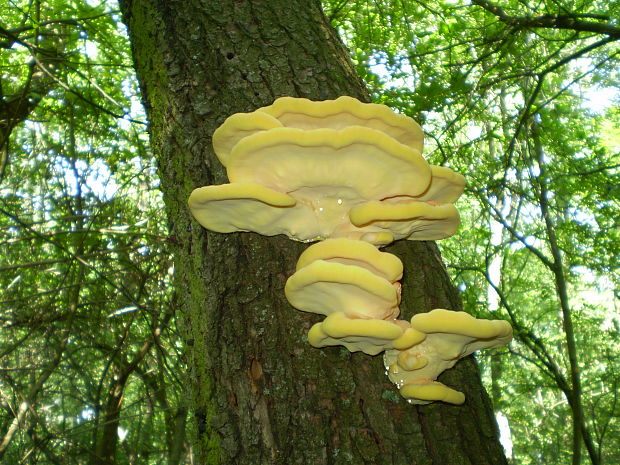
351, 252
429, 216
368, 336
431, 391
237, 127
462, 331
407, 219
446, 186
242, 207
326, 287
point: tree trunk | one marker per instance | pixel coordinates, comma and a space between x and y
260, 394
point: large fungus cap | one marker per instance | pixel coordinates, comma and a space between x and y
356, 334
351, 252
305, 114
343, 112
449, 336
326, 287
354, 163
251, 207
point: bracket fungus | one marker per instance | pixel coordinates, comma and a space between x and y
449, 336
350, 175
371, 336
336, 168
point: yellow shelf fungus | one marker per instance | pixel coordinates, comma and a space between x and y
354, 170
344, 112
351, 175
450, 336
325, 288
371, 336
358, 253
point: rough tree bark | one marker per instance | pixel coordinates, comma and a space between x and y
260, 393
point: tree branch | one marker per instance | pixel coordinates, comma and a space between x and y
568, 22
26, 404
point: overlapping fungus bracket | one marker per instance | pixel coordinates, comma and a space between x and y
449, 336
336, 168
357, 287
351, 175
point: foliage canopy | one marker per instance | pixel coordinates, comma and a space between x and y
519, 96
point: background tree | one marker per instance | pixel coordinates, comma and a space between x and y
86, 316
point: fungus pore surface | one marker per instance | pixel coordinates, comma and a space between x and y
350, 175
